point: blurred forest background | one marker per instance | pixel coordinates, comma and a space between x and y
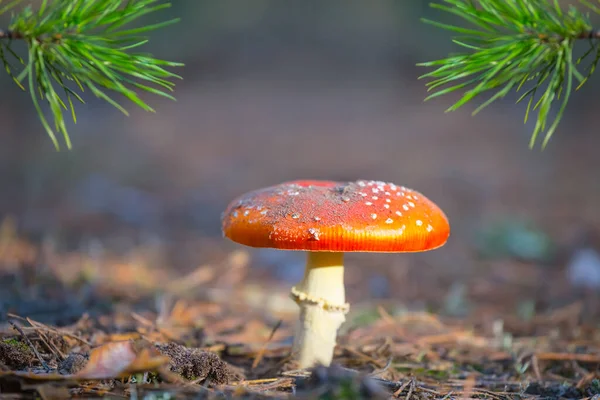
281, 90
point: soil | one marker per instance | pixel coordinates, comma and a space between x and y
226, 329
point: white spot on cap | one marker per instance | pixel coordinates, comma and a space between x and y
388, 201
314, 233
389, 221
374, 216
374, 197
429, 228
368, 203
246, 213
362, 184
410, 203
295, 216
317, 218
345, 199
398, 213
405, 207
419, 222
363, 194
386, 206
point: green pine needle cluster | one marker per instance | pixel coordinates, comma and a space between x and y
517, 45
74, 45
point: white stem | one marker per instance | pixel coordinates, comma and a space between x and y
317, 327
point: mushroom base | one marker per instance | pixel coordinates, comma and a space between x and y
323, 306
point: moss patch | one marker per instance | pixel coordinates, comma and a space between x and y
16, 354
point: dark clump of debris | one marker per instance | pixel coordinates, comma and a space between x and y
196, 364
339, 383
74, 363
16, 354
557, 391
553, 390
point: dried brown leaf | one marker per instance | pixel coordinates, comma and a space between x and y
119, 359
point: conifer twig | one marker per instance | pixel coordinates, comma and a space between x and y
74, 45
516, 45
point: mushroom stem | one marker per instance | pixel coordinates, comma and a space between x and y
323, 306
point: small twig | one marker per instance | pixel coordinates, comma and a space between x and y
535, 364
382, 370
398, 392
447, 396
281, 383
51, 346
588, 358
593, 34
298, 373
263, 349
215, 348
18, 328
385, 315
586, 379
468, 388
254, 382
410, 389
8, 34
489, 393
262, 385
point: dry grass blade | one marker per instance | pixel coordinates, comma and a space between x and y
261, 352
587, 358
400, 390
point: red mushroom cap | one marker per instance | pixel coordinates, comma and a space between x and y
364, 216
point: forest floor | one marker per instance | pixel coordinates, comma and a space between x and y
80, 324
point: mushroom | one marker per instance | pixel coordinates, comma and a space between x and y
327, 219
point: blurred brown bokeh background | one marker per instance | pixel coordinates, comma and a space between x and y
280, 90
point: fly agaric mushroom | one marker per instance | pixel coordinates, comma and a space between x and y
327, 219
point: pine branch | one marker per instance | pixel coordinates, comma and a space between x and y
75, 45
516, 45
